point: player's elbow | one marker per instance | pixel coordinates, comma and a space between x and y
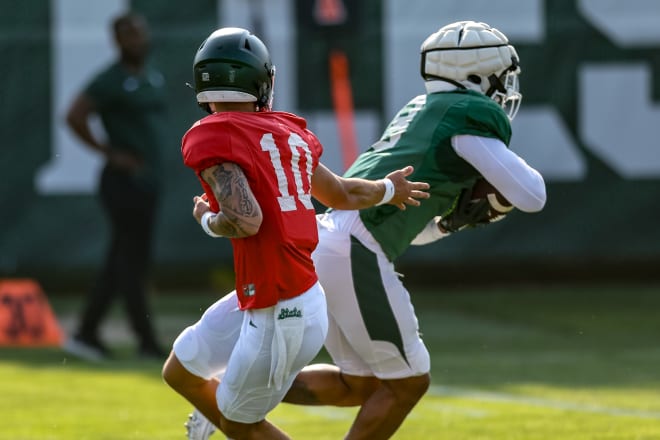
346, 203
534, 202
235, 225
251, 226
74, 120
250, 231
338, 198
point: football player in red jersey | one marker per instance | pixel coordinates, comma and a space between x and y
457, 134
259, 169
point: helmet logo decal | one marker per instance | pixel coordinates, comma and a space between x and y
206, 76
232, 76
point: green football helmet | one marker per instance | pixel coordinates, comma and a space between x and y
233, 65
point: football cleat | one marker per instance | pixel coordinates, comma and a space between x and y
198, 427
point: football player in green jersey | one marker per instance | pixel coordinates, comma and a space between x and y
454, 134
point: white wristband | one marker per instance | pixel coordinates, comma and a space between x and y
205, 224
496, 205
389, 191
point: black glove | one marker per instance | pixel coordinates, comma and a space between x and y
467, 213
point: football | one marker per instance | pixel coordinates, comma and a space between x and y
483, 189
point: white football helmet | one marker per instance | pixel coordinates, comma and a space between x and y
473, 55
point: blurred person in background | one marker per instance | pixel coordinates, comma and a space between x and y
456, 135
129, 99
259, 169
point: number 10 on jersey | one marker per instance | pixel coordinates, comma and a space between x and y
296, 144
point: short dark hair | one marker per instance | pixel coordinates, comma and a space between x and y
125, 19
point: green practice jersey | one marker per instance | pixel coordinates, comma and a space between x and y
420, 135
134, 113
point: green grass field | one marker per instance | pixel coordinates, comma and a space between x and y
552, 363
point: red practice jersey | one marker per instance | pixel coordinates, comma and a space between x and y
278, 155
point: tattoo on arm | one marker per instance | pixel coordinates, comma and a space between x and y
240, 214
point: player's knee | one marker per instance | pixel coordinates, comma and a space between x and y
360, 388
300, 393
233, 429
420, 384
174, 374
168, 372
410, 390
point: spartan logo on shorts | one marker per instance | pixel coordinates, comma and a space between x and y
286, 313
248, 289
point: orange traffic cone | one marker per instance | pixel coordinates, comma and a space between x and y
26, 318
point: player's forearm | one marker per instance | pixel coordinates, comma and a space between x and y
356, 193
362, 193
240, 214
518, 182
233, 226
345, 193
431, 232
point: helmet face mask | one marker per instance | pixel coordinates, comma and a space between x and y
475, 56
233, 65
510, 98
